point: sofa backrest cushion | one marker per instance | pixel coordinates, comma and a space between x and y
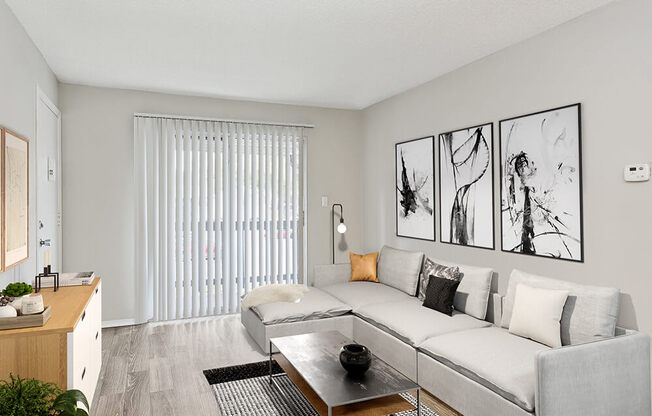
400, 269
472, 295
590, 312
330, 274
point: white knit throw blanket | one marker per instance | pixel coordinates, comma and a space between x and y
273, 293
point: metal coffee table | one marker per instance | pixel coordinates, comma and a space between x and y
316, 358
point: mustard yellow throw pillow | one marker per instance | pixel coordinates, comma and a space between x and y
363, 267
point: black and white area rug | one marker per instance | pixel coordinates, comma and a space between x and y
244, 390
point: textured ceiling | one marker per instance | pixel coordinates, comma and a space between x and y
334, 53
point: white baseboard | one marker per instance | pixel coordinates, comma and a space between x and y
118, 322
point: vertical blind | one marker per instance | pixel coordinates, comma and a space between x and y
219, 212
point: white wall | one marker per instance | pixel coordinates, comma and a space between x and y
604, 61
22, 67
98, 193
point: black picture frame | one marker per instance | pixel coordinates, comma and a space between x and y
493, 187
580, 182
396, 191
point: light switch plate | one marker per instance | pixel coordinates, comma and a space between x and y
324, 201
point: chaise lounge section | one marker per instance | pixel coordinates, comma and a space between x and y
470, 360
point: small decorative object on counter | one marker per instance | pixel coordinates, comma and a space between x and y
47, 272
17, 304
68, 279
6, 300
6, 310
355, 358
17, 291
32, 305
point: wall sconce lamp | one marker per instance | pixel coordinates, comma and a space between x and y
341, 227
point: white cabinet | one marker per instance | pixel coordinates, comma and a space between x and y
67, 350
85, 347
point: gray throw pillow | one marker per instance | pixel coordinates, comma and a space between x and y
430, 268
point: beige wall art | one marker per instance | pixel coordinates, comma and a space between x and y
15, 199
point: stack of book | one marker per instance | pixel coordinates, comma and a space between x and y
69, 279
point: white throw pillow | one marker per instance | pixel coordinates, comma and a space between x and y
273, 293
537, 314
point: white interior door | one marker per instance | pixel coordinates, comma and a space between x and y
48, 183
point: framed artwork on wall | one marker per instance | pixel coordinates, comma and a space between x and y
466, 187
415, 188
15, 203
541, 184
2, 204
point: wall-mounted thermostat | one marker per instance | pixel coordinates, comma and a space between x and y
639, 172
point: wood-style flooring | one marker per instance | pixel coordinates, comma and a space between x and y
156, 369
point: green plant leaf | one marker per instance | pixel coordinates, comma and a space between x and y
67, 403
26, 397
17, 289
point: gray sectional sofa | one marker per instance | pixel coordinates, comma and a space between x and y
470, 360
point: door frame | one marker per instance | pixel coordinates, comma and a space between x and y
42, 97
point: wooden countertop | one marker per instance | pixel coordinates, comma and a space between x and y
67, 303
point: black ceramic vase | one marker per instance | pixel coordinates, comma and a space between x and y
355, 359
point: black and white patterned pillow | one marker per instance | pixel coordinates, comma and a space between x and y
430, 268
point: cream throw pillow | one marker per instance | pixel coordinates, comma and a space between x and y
537, 314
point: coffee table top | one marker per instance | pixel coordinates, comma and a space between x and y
316, 358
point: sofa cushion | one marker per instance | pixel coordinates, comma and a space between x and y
330, 274
500, 361
400, 269
315, 304
472, 295
590, 312
412, 323
357, 294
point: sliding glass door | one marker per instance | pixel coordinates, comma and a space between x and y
221, 212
